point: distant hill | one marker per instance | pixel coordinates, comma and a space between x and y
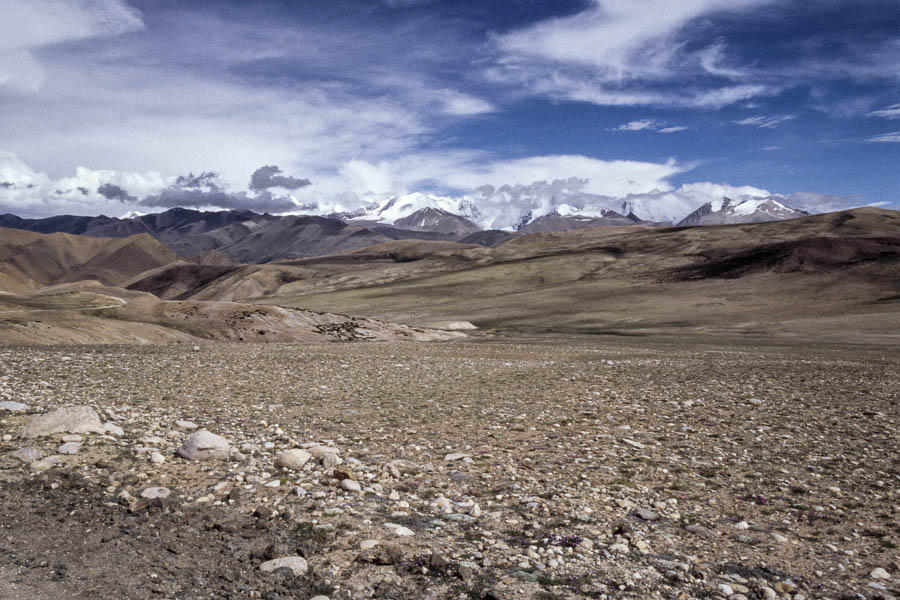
30, 260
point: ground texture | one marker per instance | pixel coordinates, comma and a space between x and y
547, 467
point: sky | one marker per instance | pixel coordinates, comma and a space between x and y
113, 106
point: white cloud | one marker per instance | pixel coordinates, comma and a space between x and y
620, 52
765, 122
641, 125
33, 24
891, 112
649, 125
885, 138
675, 129
27, 192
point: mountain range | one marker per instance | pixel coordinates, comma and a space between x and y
243, 236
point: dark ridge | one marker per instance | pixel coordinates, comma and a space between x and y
808, 255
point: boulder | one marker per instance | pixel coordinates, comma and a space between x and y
292, 459
70, 419
204, 445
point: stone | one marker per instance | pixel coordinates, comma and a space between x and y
13, 406
368, 544
70, 419
292, 459
879, 573
400, 530
27, 454
330, 461
343, 473
69, 448
646, 514
204, 445
350, 485
113, 429
779, 538
45, 463
455, 456
156, 458
698, 529
320, 597
186, 425
618, 548
768, 593
297, 565
319, 452
152, 493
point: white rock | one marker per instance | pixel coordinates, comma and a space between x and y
152, 493
273, 484
350, 485
70, 419
330, 461
156, 458
779, 538
13, 406
879, 573
113, 429
292, 459
368, 544
725, 589
69, 448
319, 452
618, 548
297, 564
204, 445
742, 525
455, 456
399, 529
186, 425
45, 463
27, 454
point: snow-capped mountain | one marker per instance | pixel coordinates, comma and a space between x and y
557, 222
752, 210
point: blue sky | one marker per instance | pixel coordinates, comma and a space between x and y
366, 99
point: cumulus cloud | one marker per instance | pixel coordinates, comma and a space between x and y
34, 193
207, 190
40, 23
270, 176
764, 122
111, 191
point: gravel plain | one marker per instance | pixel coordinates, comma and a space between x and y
533, 467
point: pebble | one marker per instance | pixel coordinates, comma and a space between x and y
156, 458
368, 544
186, 425
879, 573
13, 406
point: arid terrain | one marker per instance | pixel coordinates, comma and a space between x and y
613, 412
553, 467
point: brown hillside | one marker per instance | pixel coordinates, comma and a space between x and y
33, 260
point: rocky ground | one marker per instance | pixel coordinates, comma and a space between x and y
533, 468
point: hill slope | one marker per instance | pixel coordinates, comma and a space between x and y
31, 260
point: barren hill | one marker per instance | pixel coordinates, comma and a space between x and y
815, 274
31, 260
